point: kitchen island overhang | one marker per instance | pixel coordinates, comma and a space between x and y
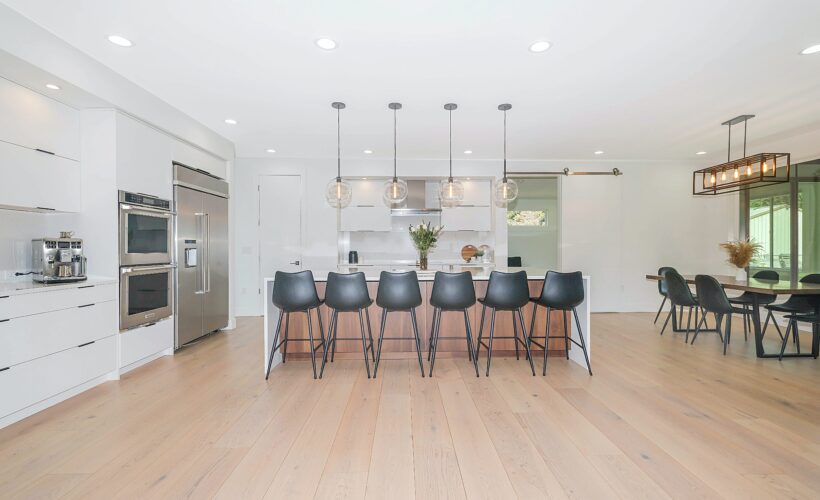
535, 277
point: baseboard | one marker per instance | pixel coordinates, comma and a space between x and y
146, 360
53, 400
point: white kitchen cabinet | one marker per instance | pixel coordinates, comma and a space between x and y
193, 157
367, 193
144, 158
36, 180
463, 218
35, 121
140, 343
477, 193
366, 219
37, 380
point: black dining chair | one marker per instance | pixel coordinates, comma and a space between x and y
347, 293
746, 299
795, 304
452, 292
398, 292
680, 294
513, 261
662, 289
712, 298
794, 319
563, 292
295, 292
505, 292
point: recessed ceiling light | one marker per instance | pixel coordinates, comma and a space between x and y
326, 44
540, 46
231, 121
468, 152
599, 152
810, 50
52, 86
120, 40
701, 153
367, 152
270, 150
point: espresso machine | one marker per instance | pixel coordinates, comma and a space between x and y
58, 260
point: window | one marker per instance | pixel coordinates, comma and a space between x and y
527, 218
785, 220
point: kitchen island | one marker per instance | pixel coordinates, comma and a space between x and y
452, 324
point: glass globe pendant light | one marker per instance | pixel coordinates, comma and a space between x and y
395, 190
338, 192
451, 191
506, 190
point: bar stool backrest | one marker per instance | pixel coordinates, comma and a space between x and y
398, 291
662, 282
294, 292
711, 295
452, 291
678, 290
507, 290
346, 292
562, 290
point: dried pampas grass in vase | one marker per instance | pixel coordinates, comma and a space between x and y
740, 255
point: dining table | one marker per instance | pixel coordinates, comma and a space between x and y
760, 287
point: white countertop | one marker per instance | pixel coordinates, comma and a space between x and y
26, 285
479, 273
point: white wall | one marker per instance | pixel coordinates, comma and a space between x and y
616, 229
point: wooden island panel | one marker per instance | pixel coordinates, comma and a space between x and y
399, 325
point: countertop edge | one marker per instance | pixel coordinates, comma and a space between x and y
11, 288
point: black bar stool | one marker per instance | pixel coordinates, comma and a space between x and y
347, 293
563, 292
505, 292
398, 292
662, 289
295, 292
712, 297
452, 292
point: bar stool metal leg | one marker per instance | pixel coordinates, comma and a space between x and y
331, 340
364, 344
515, 334
524, 334
310, 342
473, 357
273, 346
546, 341
581, 338
566, 331
418, 340
490, 345
285, 344
480, 331
381, 338
432, 335
437, 323
370, 333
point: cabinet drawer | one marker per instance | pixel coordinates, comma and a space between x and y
35, 121
28, 383
142, 342
30, 337
34, 179
27, 304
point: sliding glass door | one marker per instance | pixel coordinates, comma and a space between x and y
785, 220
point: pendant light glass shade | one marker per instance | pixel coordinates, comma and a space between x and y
338, 192
395, 190
451, 191
505, 190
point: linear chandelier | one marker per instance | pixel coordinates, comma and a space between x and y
757, 170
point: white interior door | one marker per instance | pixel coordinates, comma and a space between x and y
280, 224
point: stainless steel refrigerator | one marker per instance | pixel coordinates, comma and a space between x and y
201, 202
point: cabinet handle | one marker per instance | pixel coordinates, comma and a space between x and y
4, 320
4, 369
85, 286
84, 305
44, 151
87, 343
4, 297
46, 208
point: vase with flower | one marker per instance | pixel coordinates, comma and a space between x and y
740, 255
424, 236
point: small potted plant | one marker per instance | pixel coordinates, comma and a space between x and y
740, 255
424, 236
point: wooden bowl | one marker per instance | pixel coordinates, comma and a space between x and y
468, 252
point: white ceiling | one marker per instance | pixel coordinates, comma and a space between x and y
640, 80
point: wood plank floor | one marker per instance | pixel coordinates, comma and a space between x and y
659, 419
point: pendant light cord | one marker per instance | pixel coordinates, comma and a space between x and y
394, 145
450, 179
338, 145
505, 145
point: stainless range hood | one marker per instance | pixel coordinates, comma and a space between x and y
418, 202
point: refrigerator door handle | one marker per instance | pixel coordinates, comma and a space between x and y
200, 265
207, 268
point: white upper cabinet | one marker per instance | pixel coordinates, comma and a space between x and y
144, 158
477, 193
367, 193
467, 218
193, 157
33, 180
34, 121
365, 219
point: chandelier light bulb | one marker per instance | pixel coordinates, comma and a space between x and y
737, 173
748, 170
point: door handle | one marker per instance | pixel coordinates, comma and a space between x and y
296, 263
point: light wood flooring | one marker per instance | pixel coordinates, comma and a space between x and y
659, 419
